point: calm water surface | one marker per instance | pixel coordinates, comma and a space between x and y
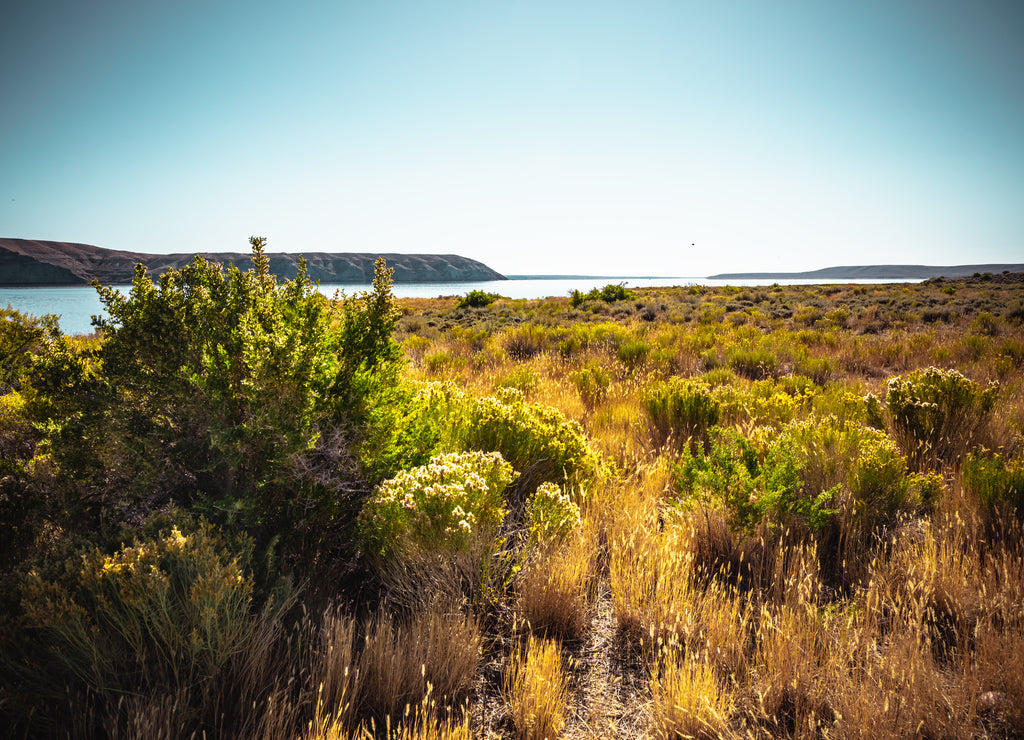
77, 305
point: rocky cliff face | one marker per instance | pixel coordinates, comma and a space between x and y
30, 262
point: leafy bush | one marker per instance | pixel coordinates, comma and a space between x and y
864, 473
609, 294
440, 505
477, 299
996, 480
537, 440
21, 335
753, 487
260, 404
681, 411
937, 415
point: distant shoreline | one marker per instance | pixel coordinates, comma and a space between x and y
875, 272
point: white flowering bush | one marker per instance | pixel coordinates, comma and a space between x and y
440, 505
551, 512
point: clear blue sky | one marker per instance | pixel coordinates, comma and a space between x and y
623, 138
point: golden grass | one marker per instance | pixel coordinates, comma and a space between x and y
536, 690
687, 699
556, 588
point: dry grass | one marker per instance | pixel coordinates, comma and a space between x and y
687, 699
536, 690
556, 588
437, 651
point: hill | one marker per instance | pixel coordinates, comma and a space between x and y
27, 262
873, 272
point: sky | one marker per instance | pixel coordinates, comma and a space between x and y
608, 138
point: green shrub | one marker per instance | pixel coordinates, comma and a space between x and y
610, 293
21, 336
537, 440
680, 411
439, 506
477, 299
996, 480
862, 466
754, 487
937, 415
260, 405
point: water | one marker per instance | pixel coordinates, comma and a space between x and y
76, 305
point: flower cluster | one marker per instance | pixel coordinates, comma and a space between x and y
551, 512
439, 505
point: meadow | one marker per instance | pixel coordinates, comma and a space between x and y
243, 510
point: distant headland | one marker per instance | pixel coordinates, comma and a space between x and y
28, 262
874, 272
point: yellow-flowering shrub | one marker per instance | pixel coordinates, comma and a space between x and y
167, 613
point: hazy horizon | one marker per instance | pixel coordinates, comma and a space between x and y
599, 138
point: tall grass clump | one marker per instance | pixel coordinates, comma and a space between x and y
938, 415
536, 690
557, 588
592, 382
687, 699
436, 652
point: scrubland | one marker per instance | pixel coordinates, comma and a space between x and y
681, 512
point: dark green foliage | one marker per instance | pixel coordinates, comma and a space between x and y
609, 294
256, 403
20, 337
753, 487
477, 299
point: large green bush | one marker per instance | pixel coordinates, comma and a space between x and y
862, 466
261, 404
537, 440
752, 486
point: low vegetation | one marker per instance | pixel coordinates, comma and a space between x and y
240, 509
